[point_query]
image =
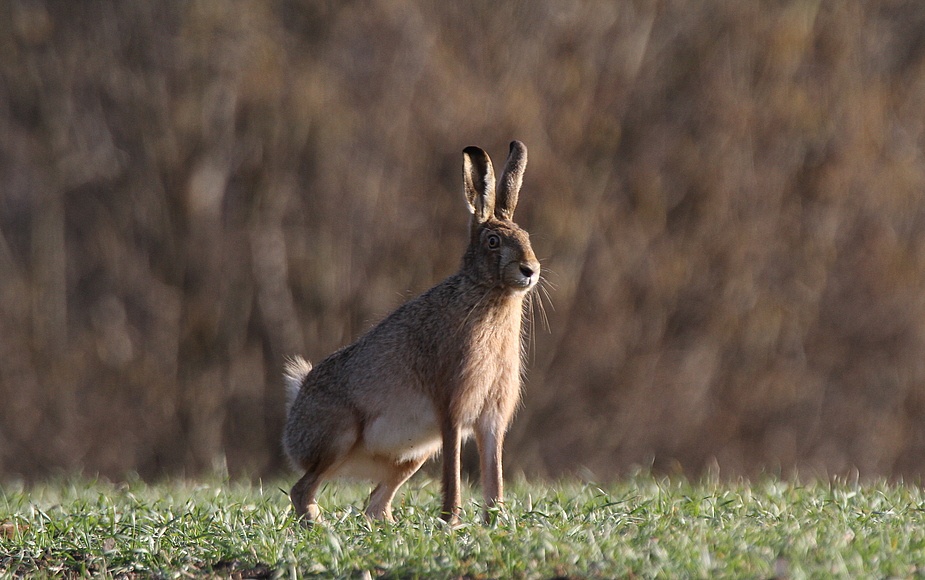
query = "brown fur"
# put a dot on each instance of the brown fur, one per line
(441, 366)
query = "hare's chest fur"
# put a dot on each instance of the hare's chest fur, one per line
(489, 375)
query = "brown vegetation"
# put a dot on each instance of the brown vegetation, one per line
(728, 197)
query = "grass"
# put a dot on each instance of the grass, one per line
(641, 526)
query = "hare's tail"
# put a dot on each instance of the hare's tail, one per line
(294, 373)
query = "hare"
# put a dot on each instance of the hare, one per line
(441, 367)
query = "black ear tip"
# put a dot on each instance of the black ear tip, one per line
(472, 151)
(517, 145)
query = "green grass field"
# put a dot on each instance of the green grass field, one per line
(641, 526)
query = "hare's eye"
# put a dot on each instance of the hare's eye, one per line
(493, 241)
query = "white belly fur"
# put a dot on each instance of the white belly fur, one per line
(403, 433)
(395, 435)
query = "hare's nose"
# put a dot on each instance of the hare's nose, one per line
(526, 270)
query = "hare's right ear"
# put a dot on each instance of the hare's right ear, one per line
(479, 183)
(511, 179)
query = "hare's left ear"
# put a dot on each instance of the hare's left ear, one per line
(479, 183)
(511, 179)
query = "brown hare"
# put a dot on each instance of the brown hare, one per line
(441, 367)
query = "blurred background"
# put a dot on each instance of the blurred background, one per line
(728, 199)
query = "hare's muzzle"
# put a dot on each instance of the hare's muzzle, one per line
(527, 275)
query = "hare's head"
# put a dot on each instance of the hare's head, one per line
(499, 253)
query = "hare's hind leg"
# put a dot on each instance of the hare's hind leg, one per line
(320, 461)
(380, 500)
(304, 492)
(303, 497)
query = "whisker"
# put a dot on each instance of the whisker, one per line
(544, 315)
(543, 284)
(533, 326)
(551, 306)
(528, 327)
(528, 316)
(545, 277)
(542, 307)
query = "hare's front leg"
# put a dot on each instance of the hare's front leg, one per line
(452, 439)
(489, 436)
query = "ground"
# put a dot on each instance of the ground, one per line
(640, 526)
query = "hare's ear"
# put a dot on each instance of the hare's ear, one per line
(511, 179)
(479, 183)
